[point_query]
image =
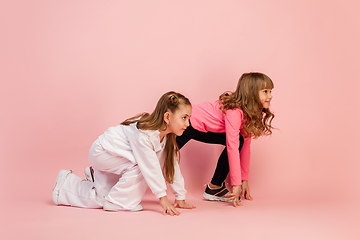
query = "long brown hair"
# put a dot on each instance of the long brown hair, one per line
(257, 120)
(170, 101)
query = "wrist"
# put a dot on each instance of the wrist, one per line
(164, 198)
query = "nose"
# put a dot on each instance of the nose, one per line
(187, 123)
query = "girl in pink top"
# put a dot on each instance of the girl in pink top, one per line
(232, 121)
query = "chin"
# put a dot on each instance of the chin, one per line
(179, 133)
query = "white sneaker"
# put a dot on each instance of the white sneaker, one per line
(217, 194)
(89, 174)
(60, 179)
(108, 206)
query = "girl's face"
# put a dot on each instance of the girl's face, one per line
(178, 121)
(265, 97)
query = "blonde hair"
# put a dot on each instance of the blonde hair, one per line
(170, 101)
(257, 120)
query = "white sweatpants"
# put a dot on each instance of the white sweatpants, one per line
(115, 179)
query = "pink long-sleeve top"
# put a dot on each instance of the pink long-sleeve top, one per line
(208, 117)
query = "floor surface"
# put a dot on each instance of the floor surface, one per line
(263, 218)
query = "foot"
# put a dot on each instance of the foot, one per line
(217, 194)
(60, 179)
(89, 173)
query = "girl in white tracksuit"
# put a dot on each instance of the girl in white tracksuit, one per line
(139, 152)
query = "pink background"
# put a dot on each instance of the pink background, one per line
(71, 69)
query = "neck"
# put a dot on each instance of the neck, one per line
(163, 133)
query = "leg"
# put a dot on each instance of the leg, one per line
(212, 138)
(206, 137)
(129, 190)
(107, 168)
(75, 191)
(104, 181)
(222, 168)
(117, 180)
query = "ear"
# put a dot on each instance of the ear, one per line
(167, 117)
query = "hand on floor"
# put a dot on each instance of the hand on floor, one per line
(168, 208)
(245, 193)
(234, 196)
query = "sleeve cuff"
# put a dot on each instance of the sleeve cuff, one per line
(180, 198)
(236, 183)
(161, 194)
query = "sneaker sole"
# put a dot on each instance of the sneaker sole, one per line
(214, 198)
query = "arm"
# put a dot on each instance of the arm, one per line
(178, 188)
(149, 165)
(245, 159)
(178, 185)
(233, 122)
(151, 170)
(245, 167)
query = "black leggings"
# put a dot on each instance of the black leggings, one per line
(222, 167)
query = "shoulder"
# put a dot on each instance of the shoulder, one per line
(150, 134)
(145, 137)
(234, 117)
(140, 133)
(235, 113)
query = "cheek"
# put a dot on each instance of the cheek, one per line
(176, 124)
